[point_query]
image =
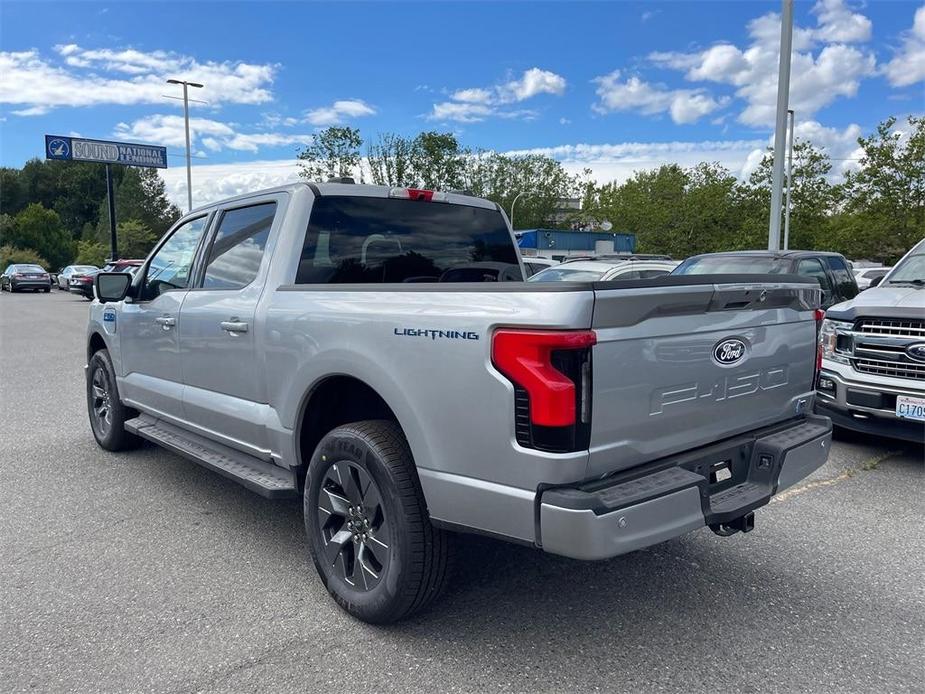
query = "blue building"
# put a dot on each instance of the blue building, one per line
(555, 242)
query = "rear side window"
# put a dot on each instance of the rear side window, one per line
(236, 252)
(353, 239)
(845, 284)
(810, 267)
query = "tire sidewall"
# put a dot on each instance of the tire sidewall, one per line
(376, 605)
(113, 438)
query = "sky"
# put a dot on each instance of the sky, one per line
(611, 86)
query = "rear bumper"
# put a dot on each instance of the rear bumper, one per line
(30, 284)
(670, 497)
(84, 289)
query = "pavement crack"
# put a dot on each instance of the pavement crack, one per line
(868, 465)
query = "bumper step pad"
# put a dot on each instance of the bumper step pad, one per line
(264, 478)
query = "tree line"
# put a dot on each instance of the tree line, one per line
(875, 211)
(54, 212)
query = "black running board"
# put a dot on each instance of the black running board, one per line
(264, 478)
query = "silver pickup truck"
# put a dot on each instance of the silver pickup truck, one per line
(356, 346)
(873, 368)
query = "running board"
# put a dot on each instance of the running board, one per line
(264, 478)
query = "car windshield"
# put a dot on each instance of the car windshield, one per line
(564, 274)
(732, 265)
(912, 269)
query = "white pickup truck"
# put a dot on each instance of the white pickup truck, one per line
(316, 340)
(873, 368)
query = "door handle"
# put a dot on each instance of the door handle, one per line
(166, 322)
(234, 326)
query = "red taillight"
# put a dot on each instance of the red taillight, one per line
(526, 357)
(420, 194)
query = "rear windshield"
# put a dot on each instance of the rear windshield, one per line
(29, 268)
(732, 265)
(381, 240)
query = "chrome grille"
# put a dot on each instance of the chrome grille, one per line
(912, 327)
(890, 368)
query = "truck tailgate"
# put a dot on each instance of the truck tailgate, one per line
(689, 360)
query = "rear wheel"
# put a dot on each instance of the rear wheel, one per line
(369, 533)
(107, 413)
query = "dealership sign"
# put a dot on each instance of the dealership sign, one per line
(104, 151)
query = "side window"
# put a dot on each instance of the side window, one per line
(236, 252)
(844, 282)
(648, 274)
(810, 267)
(170, 266)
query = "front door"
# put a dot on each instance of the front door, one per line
(147, 325)
(225, 395)
(812, 267)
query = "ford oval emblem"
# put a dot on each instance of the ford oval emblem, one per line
(916, 351)
(729, 351)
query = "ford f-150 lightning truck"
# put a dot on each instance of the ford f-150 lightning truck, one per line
(314, 340)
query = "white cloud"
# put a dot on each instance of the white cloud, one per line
(475, 104)
(82, 77)
(338, 112)
(840, 144)
(212, 182)
(908, 65)
(817, 80)
(633, 94)
(838, 24)
(168, 130)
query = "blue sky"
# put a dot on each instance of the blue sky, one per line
(613, 86)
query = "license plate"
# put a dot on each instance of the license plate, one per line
(910, 408)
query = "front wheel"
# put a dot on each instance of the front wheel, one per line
(107, 413)
(369, 533)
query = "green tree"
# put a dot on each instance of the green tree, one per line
(141, 195)
(390, 161)
(437, 161)
(41, 230)
(334, 151)
(90, 252)
(135, 238)
(10, 255)
(884, 211)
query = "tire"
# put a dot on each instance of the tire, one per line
(47, 289)
(103, 397)
(373, 584)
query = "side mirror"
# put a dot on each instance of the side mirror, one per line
(875, 281)
(112, 286)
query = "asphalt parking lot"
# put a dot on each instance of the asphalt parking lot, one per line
(145, 572)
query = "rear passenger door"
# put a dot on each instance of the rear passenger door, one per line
(224, 396)
(846, 287)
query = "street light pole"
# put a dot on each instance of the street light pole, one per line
(189, 168)
(789, 181)
(780, 128)
(514, 202)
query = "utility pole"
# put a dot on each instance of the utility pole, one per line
(780, 128)
(514, 202)
(113, 243)
(189, 168)
(789, 180)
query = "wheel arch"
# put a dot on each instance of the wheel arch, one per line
(95, 344)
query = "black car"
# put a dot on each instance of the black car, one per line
(830, 270)
(22, 276)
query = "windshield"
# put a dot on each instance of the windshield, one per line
(564, 274)
(912, 269)
(383, 240)
(83, 268)
(732, 265)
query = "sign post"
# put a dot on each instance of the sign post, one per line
(108, 153)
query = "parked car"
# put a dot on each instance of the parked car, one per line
(534, 264)
(66, 273)
(604, 270)
(82, 283)
(121, 265)
(22, 276)
(830, 270)
(265, 341)
(873, 355)
(865, 276)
